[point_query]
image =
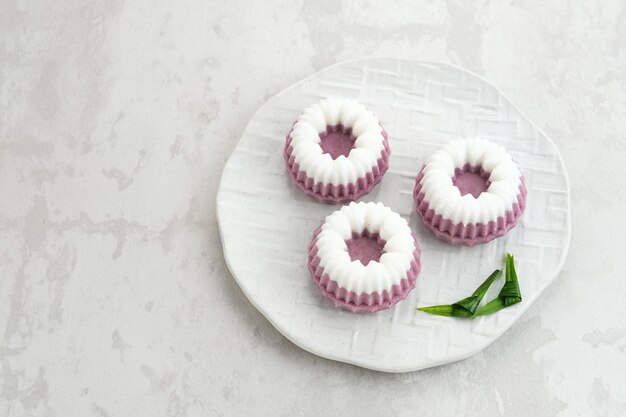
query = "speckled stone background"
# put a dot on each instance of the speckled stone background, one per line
(116, 119)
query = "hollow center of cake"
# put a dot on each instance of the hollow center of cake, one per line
(337, 141)
(365, 248)
(471, 180)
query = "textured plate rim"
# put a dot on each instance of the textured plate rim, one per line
(454, 358)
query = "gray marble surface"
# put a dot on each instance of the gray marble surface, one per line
(116, 119)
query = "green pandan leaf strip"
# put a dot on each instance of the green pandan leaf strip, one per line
(510, 293)
(449, 310)
(484, 287)
(472, 302)
(492, 306)
(467, 306)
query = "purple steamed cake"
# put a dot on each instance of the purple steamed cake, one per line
(320, 133)
(363, 247)
(472, 181)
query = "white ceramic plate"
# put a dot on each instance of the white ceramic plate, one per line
(266, 222)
